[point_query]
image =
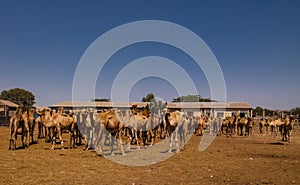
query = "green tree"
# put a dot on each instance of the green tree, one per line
(192, 98)
(149, 98)
(100, 100)
(19, 96)
(296, 111)
(258, 111)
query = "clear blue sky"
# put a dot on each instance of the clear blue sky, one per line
(257, 44)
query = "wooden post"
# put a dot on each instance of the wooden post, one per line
(127, 115)
(250, 113)
(5, 114)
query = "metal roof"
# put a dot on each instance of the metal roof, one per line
(209, 105)
(8, 103)
(99, 104)
(170, 105)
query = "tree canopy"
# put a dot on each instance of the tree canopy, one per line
(296, 111)
(192, 98)
(19, 96)
(100, 100)
(153, 105)
(148, 98)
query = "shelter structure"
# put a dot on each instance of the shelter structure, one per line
(7, 109)
(212, 109)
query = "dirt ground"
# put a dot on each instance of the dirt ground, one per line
(239, 160)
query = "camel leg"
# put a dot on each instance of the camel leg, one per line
(137, 140)
(112, 142)
(14, 138)
(53, 138)
(174, 136)
(93, 136)
(289, 134)
(59, 131)
(152, 136)
(72, 139)
(235, 129)
(121, 143)
(27, 133)
(98, 145)
(11, 132)
(32, 132)
(46, 135)
(130, 138)
(176, 140)
(171, 142)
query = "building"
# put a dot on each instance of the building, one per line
(213, 109)
(7, 108)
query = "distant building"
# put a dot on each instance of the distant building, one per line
(213, 109)
(7, 109)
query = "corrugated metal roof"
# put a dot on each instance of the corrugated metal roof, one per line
(241, 105)
(196, 105)
(99, 104)
(38, 107)
(170, 105)
(8, 103)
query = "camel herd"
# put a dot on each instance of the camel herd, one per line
(272, 126)
(139, 127)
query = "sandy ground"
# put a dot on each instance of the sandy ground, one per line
(239, 160)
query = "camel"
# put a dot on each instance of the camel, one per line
(242, 122)
(40, 126)
(202, 124)
(39, 118)
(262, 127)
(140, 125)
(16, 126)
(176, 126)
(109, 121)
(249, 126)
(29, 123)
(230, 125)
(45, 118)
(216, 125)
(274, 124)
(85, 124)
(287, 129)
(63, 122)
(143, 124)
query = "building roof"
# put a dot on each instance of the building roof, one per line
(209, 105)
(8, 103)
(170, 105)
(39, 107)
(241, 105)
(99, 104)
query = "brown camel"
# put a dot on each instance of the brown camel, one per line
(63, 122)
(202, 123)
(109, 122)
(16, 126)
(29, 123)
(262, 127)
(176, 125)
(143, 124)
(287, 129)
